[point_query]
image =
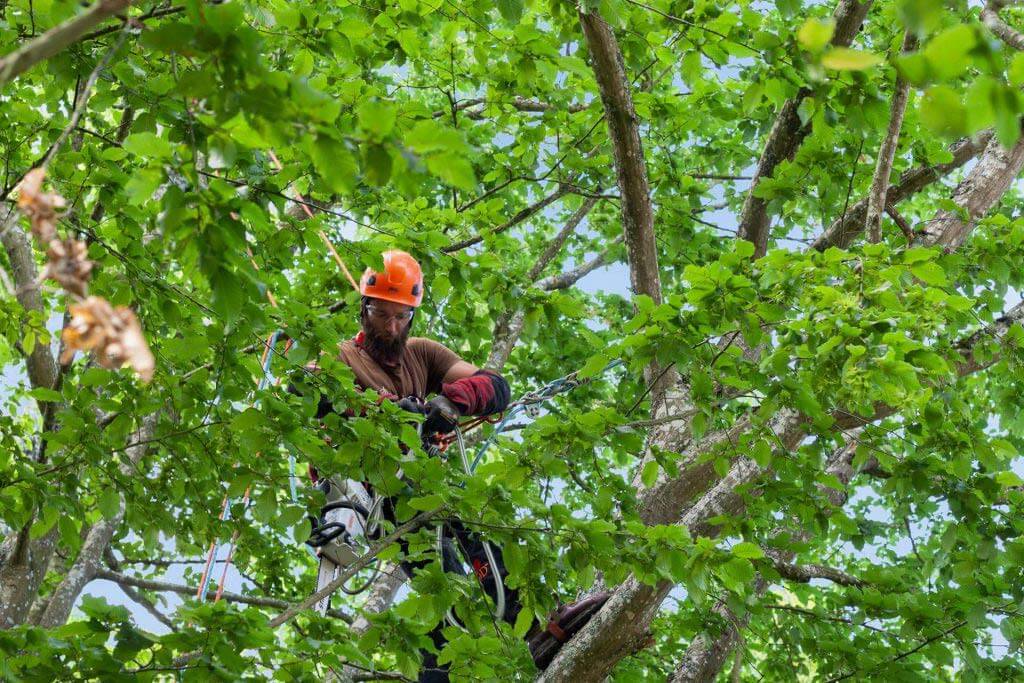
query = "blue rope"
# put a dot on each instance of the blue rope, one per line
(264, 381)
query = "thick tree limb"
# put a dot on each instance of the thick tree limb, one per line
(842, 231)
(23, 561)
(788, 133)
(57, 38)
(990, 17)
(976, 194)
(803, 573)
(42, 367)
(887, 150)
(630, 168)
(97, 539)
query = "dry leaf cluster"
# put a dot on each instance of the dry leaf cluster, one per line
(112, 334)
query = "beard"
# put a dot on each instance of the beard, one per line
(384, 349)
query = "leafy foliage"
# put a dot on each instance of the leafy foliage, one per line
(419, 126)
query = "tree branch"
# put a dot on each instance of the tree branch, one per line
(42, 367)
(976, 194)
(990, 17)
(132, 593)
(803, 573)
(887, 150)
(630, 175)
(842, 231)
(522, 215)
(97, 539)
(788, 133)
(57, 39)
(168, 587)
(571, 277)
(518, 103)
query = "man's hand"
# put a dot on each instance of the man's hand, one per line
(442, 416)
(413, 404)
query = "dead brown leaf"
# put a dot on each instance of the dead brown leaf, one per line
(42, 208)
(114, 336)
(68, 264)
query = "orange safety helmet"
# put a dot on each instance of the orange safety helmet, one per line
(401, 280)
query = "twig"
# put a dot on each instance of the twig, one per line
(57, 39)
(527, 212)
(166, 586)
(900, 222)
(83, 99)
(152, 14)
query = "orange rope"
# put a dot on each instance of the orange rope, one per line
(323, 235)
(245, 498)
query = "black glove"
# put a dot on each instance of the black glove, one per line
(413, 405)
(442, 416)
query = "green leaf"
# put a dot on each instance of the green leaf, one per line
(815, 34)
(523, 622)
(148, 145)
(919, 254)
(377, 117)
(69, 533)
(761, 453)
(847, 59)
(947, 53)
(335, 164)
(426, 503)
(377, 165)
(453, 169)
(511, 10)
(594, 365)
(1016, 71)
(1008, 479)
(930, 273)
(28, 342)
(109, 503)
(47, 395)
(943, 112)
(747, 550)
(649, 475)
(737, 574)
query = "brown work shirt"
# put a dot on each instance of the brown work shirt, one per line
(419, 373)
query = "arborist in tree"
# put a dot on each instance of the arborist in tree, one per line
(408, 370)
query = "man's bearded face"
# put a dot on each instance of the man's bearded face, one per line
(386, 325)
